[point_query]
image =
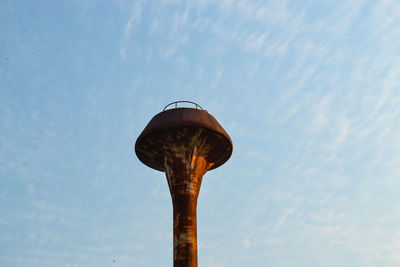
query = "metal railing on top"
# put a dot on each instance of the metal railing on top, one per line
(176, 104)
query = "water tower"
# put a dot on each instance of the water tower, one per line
(184, 143)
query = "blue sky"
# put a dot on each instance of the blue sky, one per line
(309, 92)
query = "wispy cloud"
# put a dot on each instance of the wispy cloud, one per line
(135, 18)
(285, 214)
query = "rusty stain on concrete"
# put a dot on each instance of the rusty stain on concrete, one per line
(184, 143)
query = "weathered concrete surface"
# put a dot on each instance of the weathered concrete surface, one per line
(184, 143)
(184, 175)
(182, 127)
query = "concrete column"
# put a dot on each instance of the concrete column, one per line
(184, 171)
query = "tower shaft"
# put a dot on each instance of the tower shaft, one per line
(184, 171)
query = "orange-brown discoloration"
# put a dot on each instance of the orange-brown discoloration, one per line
(184, 173)
(184, 143)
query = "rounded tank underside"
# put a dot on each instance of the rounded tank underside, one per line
(181, 130)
